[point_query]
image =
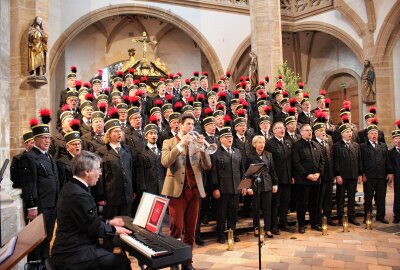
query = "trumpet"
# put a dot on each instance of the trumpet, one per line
(210, 148)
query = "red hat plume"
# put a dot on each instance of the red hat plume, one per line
(75, 124)
(45, 114)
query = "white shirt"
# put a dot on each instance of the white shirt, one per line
(81, 180)
(43, 152)
(114, 146)
(226, 149)
(150, 146)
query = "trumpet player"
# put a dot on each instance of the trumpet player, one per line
(183, 183)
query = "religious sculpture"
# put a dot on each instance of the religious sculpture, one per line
(37, 49)
(146, 41)
(253, 69)
(368, 83)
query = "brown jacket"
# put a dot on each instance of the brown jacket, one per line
(174, 161)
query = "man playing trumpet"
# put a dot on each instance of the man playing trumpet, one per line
(183, 183)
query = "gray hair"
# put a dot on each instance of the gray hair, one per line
(85, 161)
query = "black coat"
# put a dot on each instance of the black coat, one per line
(227, 170)
(40, 185)
(375, 160)
(153, 171)
(304, 119)
(16, 170)
(327, 155)
(306, 160)
(394, 161)
(79, 227)
(118, 180)
(282, 155)
(244, 148)
(91, 142)
(57, 148)
(64, 166)
(347, 162)
(268, 175)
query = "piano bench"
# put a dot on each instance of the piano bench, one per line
(49, 264)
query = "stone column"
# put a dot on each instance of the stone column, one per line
(266, 35)
(11, 203)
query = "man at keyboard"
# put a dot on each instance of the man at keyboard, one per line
(79, 227)
(184, 156)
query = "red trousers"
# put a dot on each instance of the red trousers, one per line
(183, 212)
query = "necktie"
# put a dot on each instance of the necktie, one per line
(122, 125)
(154, 149)
(118, 149)
(347, 146)
(48, 156)
(398, 149)
(292, 136)
(323, 143)
(242, 139)
(229, 150)
(374, 145)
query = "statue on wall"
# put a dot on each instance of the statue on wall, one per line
(37, 49)
(253, 69)
(145, 40)
(368, 83)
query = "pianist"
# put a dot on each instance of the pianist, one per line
(79, 227)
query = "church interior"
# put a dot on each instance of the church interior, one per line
(322, 43)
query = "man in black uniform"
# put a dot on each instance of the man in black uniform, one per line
(93, 140)
(307, 165)
(282, 154)
(73, 144)
(394, 159)
(374, 156)
(370, 119)
(226, 173)
(41, 185)
(76, 243)
(57, 148)
(325, 144)
(71, 86)
(347, 168)
(15, 168)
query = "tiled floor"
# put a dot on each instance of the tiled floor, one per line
(357, 249)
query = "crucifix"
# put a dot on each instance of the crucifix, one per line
(146, 41)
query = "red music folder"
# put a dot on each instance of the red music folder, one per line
(151, 211)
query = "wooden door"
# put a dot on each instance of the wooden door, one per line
(337, 98)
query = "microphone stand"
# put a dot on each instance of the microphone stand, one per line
(2, 170)
(257, 181)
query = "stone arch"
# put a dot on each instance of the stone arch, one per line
(388, 32)
(329, 29)
(346, 71)
(96, 15)
(243, 47)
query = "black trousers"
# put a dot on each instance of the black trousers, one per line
(280, 205)
(396, 202)
(42, 252)
(349, 185)
(307, 198)
(325, 200)
(105, 260)
(266, 209)
(375, 187)
(227, 208)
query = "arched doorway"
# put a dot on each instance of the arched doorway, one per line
(341, 85)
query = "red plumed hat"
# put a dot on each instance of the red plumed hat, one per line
(208, 111)
(45, 114)
(102, 106)
(89, 96)
(153, 119)
(113, 113)
(372, 109)
(158, 103)
(73, 69)
(178, 106)
(267, 109)
(75, 124)
(33, 122)
(345, 118)
(200, 97)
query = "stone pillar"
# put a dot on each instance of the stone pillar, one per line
(11, 203)
(266, 35)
